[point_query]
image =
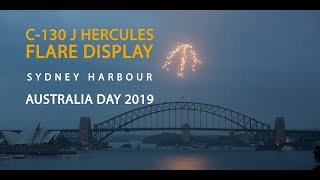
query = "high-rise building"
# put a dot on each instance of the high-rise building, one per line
(280, 134)
(85, 134)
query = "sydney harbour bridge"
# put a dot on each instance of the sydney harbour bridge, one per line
(184, 116)
(181, 116)
(191, 116)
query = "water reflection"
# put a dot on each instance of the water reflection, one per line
(184, 163)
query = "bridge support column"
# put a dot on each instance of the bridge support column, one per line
(85, 134)
(280, 135)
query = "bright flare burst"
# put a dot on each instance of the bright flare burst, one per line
(186, 52)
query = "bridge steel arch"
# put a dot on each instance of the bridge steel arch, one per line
(173, 115)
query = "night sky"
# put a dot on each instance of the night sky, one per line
(261, 63)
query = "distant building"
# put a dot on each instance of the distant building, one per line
(231, 134)
(247, 138)
(289, 139)
(31, 135)
(280, 134)
(85, 134)
(186, 133)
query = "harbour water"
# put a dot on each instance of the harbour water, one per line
(149, 157)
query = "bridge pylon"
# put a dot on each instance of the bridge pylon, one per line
(85, 133)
